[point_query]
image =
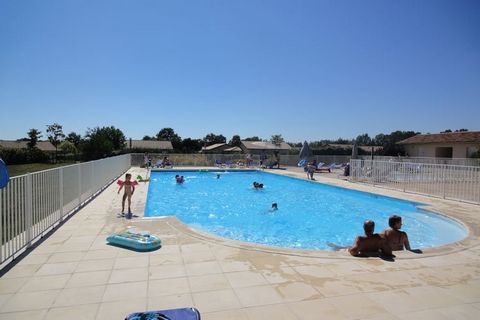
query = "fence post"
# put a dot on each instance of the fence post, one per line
(60, 186)
(29, 209)
(79, 184)
(443, 181)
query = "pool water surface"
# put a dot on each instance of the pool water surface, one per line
(309, 214)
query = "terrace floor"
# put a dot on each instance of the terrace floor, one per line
(73, 274)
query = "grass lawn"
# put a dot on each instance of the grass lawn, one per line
(19, 169)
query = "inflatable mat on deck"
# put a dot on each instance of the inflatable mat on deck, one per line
(135, 240)
(172, 314)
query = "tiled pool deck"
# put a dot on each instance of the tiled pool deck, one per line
(74, 275)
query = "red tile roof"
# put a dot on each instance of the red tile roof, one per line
(451, 137)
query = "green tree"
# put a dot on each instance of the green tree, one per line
(55, 136)
(390, 146)
(147, 138)
(191, 145)
(212, 138)
(74, 138)
(363, 140)
(33, 136)
(68, 147)
(235, 141)
(276, 139)
(254, 138)
(102, 142)
(168, 134)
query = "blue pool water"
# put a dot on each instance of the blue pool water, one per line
(309, 215)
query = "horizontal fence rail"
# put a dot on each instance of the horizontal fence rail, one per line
(439, 180)
(207, 159)
(32, 204)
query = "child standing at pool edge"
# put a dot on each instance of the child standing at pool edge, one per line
(129, 187)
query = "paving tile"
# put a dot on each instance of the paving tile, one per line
(4, 298)
(121, 308)
(20, 271)
(129, 275)
(45, 283)
(99, 254)
(281, 275)
(274, 311)
(65, 257)
(28, 301)
(238, 314)
(181, 300)
(316, 309)
(78, 296)
(166, 287)
(257, 296)
(95, 265)
(359, 305)
(30, 315)
(50, 269)
(81, 312)
(312, 272)
(466, 292)
(163, 259)
(234, 265)
(210, 301)
(332, 287)
(32, 258)
(198, 256)
(202, 268)
(404, 302)
(432, 297)
(123, 291)
(209, 282)
(245, 279)
(296, 291)
(167, 271)
(86, 279)
(11, 285)
(430, 314)
(131, 262)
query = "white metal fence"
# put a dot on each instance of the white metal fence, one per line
(439, 180)
(32, 204)
(432, 160)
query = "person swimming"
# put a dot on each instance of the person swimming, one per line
(179, 179)
(274, 207)
(257, 185)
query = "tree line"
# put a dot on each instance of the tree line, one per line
(101, 142)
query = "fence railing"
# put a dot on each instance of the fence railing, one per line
(32, 204)
(432, 160)
(439, 180)
(199, 159)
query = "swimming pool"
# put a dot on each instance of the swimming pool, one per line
(310, 214)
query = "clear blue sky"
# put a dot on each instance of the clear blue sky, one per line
(308, 70)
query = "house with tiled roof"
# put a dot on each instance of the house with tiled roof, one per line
(443, 145)
(215, 148)
(151, 145)
(45, 146)
(264, 147)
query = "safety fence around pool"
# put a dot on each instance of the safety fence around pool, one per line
(32, 204)
(438, 180)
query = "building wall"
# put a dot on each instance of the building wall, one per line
(459, 150)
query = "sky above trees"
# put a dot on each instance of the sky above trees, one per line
(308, 70)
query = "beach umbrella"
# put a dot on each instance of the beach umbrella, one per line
(355, 151)
(305, 152)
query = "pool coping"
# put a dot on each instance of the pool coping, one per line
(442, 207)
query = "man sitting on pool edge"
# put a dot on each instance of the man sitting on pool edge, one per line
(367, 245)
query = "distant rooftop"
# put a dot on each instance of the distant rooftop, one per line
(465, 137)
(265, 145)
(149, 144)
(12, 144)
(213, 146)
